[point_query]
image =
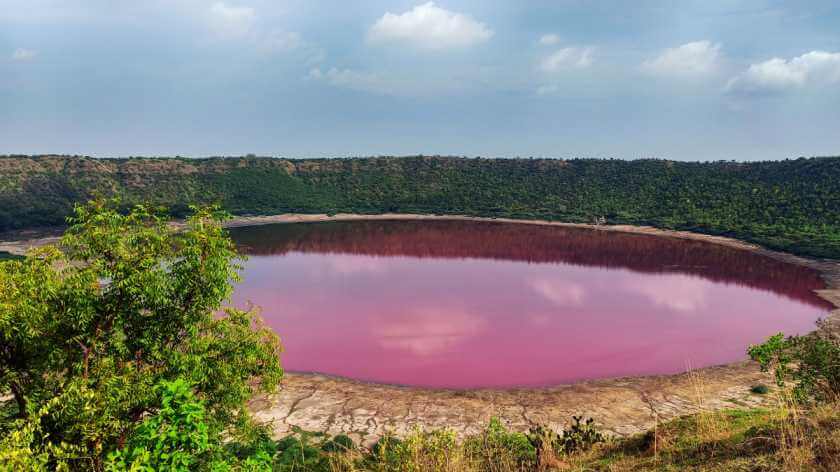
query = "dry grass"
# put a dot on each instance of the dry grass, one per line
(786, 437)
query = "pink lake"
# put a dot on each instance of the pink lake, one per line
(459, 304)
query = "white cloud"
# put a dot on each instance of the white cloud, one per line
(352, 79)
(394, 82)
(240, 23)
(21, 54)
(231, 21)
(278, 40)
(567, 58)
(429, 27)
(549, 39)
(776, 75)
(696, 59)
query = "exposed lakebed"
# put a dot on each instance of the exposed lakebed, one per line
(465, 304)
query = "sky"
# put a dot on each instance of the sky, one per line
(683, 80)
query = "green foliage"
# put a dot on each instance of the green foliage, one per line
(340, 443)
(760, 389)
(580, 436)
(251, 449)
(419, 451)
(301, 452)
(811, 362)
(500, 449)
(775, 354)
(429, 451)
(791, 205)
(25, 444)
(496, 448)
(174, 438)
(125, 303)
(177, 438)
(19, 449)
(386, 449)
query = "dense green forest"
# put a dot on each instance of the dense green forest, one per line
(792, 205)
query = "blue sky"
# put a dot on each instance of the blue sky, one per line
(685, 80)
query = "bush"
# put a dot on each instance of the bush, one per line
(500, 449)
(340, 443)
(811, 362)
(419, 451)
(580, 436)
(760, 389)
(300, 452)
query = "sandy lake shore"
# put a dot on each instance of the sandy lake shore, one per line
(621, 406)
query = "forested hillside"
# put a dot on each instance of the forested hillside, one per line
(792, 205)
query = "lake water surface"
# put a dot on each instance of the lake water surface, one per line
(463, 304)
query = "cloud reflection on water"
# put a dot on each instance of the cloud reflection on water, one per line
(676, 292)
(426, 331)
(510, 305)
(558, 291)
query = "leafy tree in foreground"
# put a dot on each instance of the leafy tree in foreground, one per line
(124, 303)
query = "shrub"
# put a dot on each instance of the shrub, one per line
(300, 451)
(811, 362)
(497, 448)
(759, 389)
(419, 451)
(340, 443)
(383, 455)
(580, 436)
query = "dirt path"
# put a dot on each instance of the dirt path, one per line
(620, 406)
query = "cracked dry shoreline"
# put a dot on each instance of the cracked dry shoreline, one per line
(620, 406)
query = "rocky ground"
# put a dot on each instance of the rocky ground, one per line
(621, 406)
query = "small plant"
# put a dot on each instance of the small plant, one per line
(501, 449)
(340, 443)
(300, 452)
(384, 446)
(580, 436)
(436, 450)
(421, 450)
(760, 389)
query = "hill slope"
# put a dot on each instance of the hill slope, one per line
(792, 205)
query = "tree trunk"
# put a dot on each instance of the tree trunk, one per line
(20, 399)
